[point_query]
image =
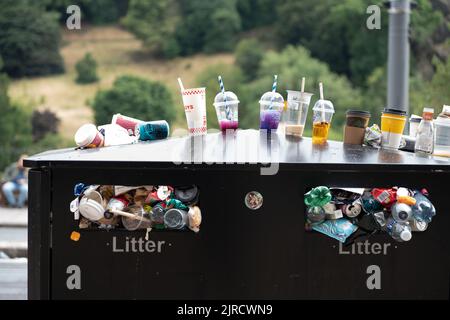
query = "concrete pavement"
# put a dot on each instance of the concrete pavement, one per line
(13, 244)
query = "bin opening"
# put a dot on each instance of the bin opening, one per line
(151, 207)
(346, 214)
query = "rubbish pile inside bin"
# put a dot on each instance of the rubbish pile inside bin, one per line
(138, 207)
(347, 213)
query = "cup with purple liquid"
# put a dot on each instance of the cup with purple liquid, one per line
(226, 105)
(271, 107)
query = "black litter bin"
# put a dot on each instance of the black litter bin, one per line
(239, 253)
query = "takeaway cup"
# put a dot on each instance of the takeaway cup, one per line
(355, 126)
(126, 122)
(271, 107)
(323, 111)
(194, 101)
(227, 110)
(87, 136)
(296, 112)
(92, 206)
(392, 126)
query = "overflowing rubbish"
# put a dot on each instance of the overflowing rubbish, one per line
(340, 212)
(122, 130)
(134, 208)
(372, 137)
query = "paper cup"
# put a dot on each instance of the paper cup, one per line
(194, 101)
(87, 136)
(392, 126)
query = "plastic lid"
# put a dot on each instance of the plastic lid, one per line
(272, 98)
(415, 118)
(91, 209)
(299, 96)
(394, 111)
(220, 101)
(325, 104)
(85, 134)
(446, 109)
(405, 235)
(358, 113)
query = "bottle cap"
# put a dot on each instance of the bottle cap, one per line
(405, 235)
(428, 113)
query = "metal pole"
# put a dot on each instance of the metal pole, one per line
(398, 55)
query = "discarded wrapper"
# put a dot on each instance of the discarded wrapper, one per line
(372, 137)
(339, 229)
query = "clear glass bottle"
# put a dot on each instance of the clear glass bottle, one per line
(425, 133)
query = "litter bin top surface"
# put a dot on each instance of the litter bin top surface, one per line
(241, 148)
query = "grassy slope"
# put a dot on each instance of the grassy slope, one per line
(117, 52)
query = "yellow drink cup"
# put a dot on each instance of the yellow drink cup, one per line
(392, 126)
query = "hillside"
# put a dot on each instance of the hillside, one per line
(117, 52)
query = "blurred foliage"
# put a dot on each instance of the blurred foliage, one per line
(150, 21)
(256, 13)
(134, 97)
(29, 39)
(43, 123)
(209, 26)
(249, 54)
(86, 70)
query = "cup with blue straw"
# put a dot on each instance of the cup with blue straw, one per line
(271, 107)
(226, 104)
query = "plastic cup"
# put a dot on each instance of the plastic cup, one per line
(296, 112)
(194, 101)
(355, 126)
(271, 107)
(87, 136)
(392, 126)
(153, 130)
(322, 115)
(414, 122)
(227, 120)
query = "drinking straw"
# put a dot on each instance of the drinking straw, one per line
(181, 84)
(222, 89)
(274, 89)
(129, 215)
(300, 106)
(321, 101)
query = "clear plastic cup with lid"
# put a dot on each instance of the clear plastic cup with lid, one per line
(323, 111)
(271, 107)
(226, 105)
(296, 112)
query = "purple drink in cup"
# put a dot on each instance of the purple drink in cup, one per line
(271, 104)
(227, 111)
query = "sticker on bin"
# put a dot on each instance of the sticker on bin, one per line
(346, 214)
(161, 207)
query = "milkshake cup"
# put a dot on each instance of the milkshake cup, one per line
(226, 105)
(271, 107)
(322, 114)
(194, 101)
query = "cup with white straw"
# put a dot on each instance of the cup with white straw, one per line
(194, 101)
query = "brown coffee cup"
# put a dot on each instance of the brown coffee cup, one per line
(355, 126)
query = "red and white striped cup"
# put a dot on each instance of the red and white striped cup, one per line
(194, 101)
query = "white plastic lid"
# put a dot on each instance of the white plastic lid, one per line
(91, 209)
(220, 101)
(272, 98)
(405, 235)
(325, 104)
(85, 134)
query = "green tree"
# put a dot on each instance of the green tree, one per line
(256, 13)
(29, 39)
(134, 97)
(249, 54)
(209, 26)
(86, 70)
(152, 22)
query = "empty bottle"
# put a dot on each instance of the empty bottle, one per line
(423, 210)
(442, 136)
(425, 133)
(399, 231)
